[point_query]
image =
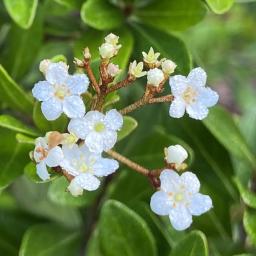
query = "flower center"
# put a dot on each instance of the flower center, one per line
(61, 92)
(99, 127)
(179, 197)
(189, 95)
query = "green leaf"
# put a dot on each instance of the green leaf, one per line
(171, 15)
(21, 138)
(220, 6)
(13, 124)
(194, 244)
(22, 11)
(111, 99)
(44, 125)
(58, 194)
(223, 127)
(93, 246)
(129, 125)
(49, 240)
(13, 95)
(58, 58)
(248, 197)
(100, 14)
(168, 45)
(70, 3)
(123, 232)
(249, 222)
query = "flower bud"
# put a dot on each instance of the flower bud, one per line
(168, 66)
(113, 70)
(107, 51)
(86, 53)
(175, 155)
(44, 64)
(155, 77)
(136, 70)
(112, 39)
(78, 62)
(150, 57)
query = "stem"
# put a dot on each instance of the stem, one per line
(166, 98)
(92, 77)
(127, 81)
(136, 167)
(137, 104)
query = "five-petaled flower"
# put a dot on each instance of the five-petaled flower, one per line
(190, 94)
(45, 155)
(179, 198)
(60, 92)
(86, 167)
(98, 130)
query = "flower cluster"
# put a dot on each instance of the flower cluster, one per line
(79, 154)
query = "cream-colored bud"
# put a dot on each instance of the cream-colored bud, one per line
(175, 155)
(78, 62)
(107, 51)
(150, 57)
(168, 66)
(112, 39)
(74, 188)
(44, 64)
(136, 70)
(86, 53)
(113, 70)
(155, 76)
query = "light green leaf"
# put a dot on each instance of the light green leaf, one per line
(49, 240)
(70, 3)
(220, 6)
(249, 221)
(100, 14)
(58, 58)
(222, 126)
(58, 194)
(22, 11)
(194, 244)
(14, 124)
(12, 94)
(171, 15)
(129, 125)
(111, 99)
(123, 232)
(168, 45)
(21, 138)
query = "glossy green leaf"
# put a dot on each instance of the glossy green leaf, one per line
(58, 194)
(128, 126)
(168, 45)
(70, 3)
(171, 15)
(100, 14)
(14, 124)
(111, 99)
(249, 222)
(117, 238)
(22, 11)
(194, 244)
(222, 126)
(49, 240)
(220, 6)
(12, 94)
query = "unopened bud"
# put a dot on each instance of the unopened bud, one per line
(107, 51)
(44, 64)
(86, 53)
(155, 77)
(112, 39)
(78, 62)
(168, 66)
(113, 70)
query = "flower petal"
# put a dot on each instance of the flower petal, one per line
(74, 188)
(177, 108)
(51, 109)
(208, 97)
(200, 204)
(170, 180)
(109, 139)
(160, 203)
(178, 84)
(94, 142)
(113, 119)
(77, 83)
(180, 217)
(104, 167)
(43, 90)
(197, 111)
(79, 127)
(197, 77)
(54, 157)
(87, 181)
(41, 171)
(190, 181)
(93, 117)
(56, 73)
(73, 106)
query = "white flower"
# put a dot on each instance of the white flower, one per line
(176, 155)
(60, 92)
(179, 198)
(155, 76)
(136, 70)
(98, 130)
(112, 39)
(86, 167)
(46, 156)
(150, 57)
(168, 66)
(113, 70)
(190, 94)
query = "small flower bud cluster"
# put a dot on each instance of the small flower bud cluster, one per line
(110, 48)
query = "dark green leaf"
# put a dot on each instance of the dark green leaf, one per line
(129, 125)
(22, 11)
(123, 232)
(93, 246)
(171, 15)
(100, 14)
(220, 6)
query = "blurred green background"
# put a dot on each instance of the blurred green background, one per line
(41, 218)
